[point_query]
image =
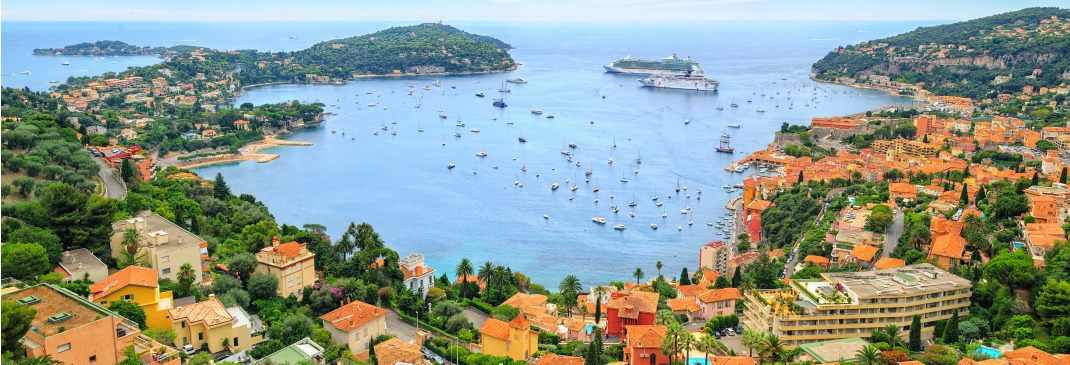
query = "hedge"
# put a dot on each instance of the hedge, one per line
(427, 326)
(481, 306)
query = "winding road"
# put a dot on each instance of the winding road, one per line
(113, 185)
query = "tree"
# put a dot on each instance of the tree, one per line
(131, 356)
(1053, 300)
(221, 191)
(709, 344)
(658, 265)
(464, 268)
(1014, 269)
(893, 331)
(48, 240)
(1062, 176)
(23, 260)
(893, 175)
(737, 277)
(599, 292)
(751, 340)
(129, 310)
(800, 180)
(638, 275)
(951, 329)
(292, 329)
(878, 222)
(570, 288)
(964, 198)
(486, 274)
(38, 360)
(164, 336)
(186, 278)
(127, 171)
(201, 358)
(593, 355)
(16, 321)
(64, 206)
(687, 342)
(771, 348)
(132, 254)
(915, 334)
(1036, 178)
(242, 265)
(685, 278)
(868, 355)
(982, 196)
(262, 286)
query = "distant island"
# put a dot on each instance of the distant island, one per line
(978, 58)
(111, 48)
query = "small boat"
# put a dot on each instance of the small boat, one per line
(503, 89)
(499, 103)
(588, 172)
(481, 154)
(549, 116)
(480, 94)
(709, 224)
(443, 116)
(595, 190)
(658, 203)
(687, 121)
(475, 130)
(620, 227)
(517, 80)
(599, 220)
(679, 228)
(25, 72)
(553, 186)
(522, 139)
(574, 187)
(631, 214)
(733, 125)
(623, 179)
(566, 152)
(544, 216)
(570, 197)
(457, 134)
(54, 82)
(572, 145)
(663, 214)
(654, 226)
(437, 83)
(536, 111)
(450, 166)
(333, 131)
(65, 63)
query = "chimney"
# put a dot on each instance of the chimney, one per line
(211, 295)
(275, 241)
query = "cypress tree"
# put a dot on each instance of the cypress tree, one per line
(598, 310)
(1062, 176)
(126, 170)
(685, 279)
(951, 330)
(737, 277)
(965, 197)
(194, 225)
(180, 219)
(1036, 178)
(982, 196)
(800, 176)
(221, 190)
(593, 355)
(915, 334)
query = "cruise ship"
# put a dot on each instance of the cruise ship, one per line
(671, 65)
(687, 81)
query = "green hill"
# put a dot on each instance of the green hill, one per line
(964, 59)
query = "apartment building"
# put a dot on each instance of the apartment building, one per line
(854, 304)
(715, 255)
(165, 245)
(292, 263)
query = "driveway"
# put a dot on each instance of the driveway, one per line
(893, 234)
(398, 327)
(475, 316)
(113, 186)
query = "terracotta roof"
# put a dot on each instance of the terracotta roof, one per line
(717, 295)
(575, 324)
(776, 253)
(1033, 356)
(911, 362)
(417, 271)
(496, 328)
(529, 304)
(759, 205)
(553, 359)
(864, 252)
(731, 360)
(629, 304)
(353, 315)
(691, 290)
(816, 259)
(393, 351)
(131, 275)
(681, 304)
(472, 279)
(287, 250)
(888, 263)
(520, 323)
(948, 245)
(646, 336)
(210, 312)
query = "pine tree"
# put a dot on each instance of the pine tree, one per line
(1062, 176)
(965, 197)
(126, 170)
(593, 355)
(915, 334)
(194, 225)
(982, 196)
(951, 329)
(737, 277)
(221, 190)
(685, 279)
(180, 218)
(925, 138)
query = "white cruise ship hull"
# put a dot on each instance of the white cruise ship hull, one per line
(640, 71)
(693, 83)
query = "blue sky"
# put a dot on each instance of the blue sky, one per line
(507, 10)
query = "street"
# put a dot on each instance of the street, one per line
(893, 234)
(113, 186)
(398, 327)
(475, 316)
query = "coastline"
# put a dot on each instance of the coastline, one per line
(249, 152)
(888, 91)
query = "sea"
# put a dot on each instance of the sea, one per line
(381, 156)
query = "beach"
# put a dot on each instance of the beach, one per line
(249, 152)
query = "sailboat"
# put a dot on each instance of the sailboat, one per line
(504, 89)
(726, 146)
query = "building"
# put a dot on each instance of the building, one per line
(901, 146)
(715, 255)
(731, 360)
(862, 255)
(834, 351)
(355, 324)
(81, 264)
(718, 302)
(393, 351)
(418, 277)
(854, 304)
(292, 263)
(947, 246)
(630, 308)
(514, 339)
(530, 305)
(642, 345)
(137, 285)
(210, 325)
(302, 350)
(554, 359)
(73, 330)
(165, 245)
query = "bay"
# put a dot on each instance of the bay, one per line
(400, 183)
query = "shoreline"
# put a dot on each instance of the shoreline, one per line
(888, 91)
(249, 152)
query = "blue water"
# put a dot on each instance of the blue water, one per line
(988, 351)
(696, 360)
(400, 183)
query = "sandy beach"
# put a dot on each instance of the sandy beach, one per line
(249, 152)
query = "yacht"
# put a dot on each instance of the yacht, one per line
(480, 94)
(599, 220)
(517, 80)
(450, 166)
(481, 154)
(554, 186)
(620, 227)
(654, 226)
(536, 111)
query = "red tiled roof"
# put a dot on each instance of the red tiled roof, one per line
(353, 315)
(554, 359)
(731, 360)
(948, 245)
(645, 336)
(816, 259)
(888, 263)
(717, 295)
(691, 290)
(630, 304)
(864, 252)
(210, 312)
(131, 275)
(496, 328)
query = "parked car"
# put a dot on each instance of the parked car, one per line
(188, 349)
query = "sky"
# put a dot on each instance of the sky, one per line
(507, 10)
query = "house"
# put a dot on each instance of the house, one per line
(81, 264)
(576, 330)
(888, 263)
(947, 250)
(862, 255)
(472, 279)
(819, 261)
(685, 306)
(73, 330)
(718, 302)
(1043, 235)
(355, 324)
(834, 351)
(137, 285)
(690, 291)
(417, 276)
(303, 350)
(642, 346)
(210, 324)
(629, 308)
(166, 246)
(514, 339)
(530, 305)
(393, 351)
(292, 263)
(731, 360)
(554, 359)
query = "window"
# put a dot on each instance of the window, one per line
(200, 336)
(235, 342)
(63, 347)
(166, 271)
(164, 259)
(183, 324)
(93, 358)
(128, 297)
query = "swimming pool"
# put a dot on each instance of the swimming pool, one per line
(988, 351)
(590, 328)
(1018, 245)
(696, 360)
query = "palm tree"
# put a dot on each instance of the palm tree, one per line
(868, 355)
(668, 347)
(673, 332)
(464, 268)
(502, 276)
(40, 360)
(486, 273)
(893, 332)
(771, 348)
(638, 274)
(664, 317)
(659, 266)
(709, 345)
(345, 245)
(583, 311)
(570, 287)
(687, 342)
(130, 245)
(751, 340)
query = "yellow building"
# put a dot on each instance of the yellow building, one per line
(165, 245)
(854, 304)
(514, 339)
(210, 323)
(137, 285)
(292, 263)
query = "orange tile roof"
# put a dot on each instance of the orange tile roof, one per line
(575, 324)
(131, 275)
(393, 351)
(520, 323)
(816, 259)
(888, 263)
(496, 328)
(759, 205)
(911, 362)
(864, 252)
(948, 245)
(646, 336)
(717, 295)
(1033, 356)
(554, 359)
(731, 360)
(287, 250)
(472, 279)
(630, 304)
(691, 290)
(416, 272)
(532, 304)
(680, 304)
(352, 316)
(210, 312)
(709, 274)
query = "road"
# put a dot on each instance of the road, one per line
(398, 327)
(475, 316)
(113, 185)
(893, 234)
